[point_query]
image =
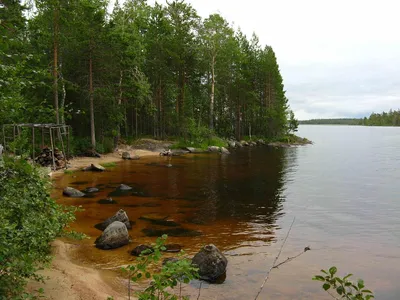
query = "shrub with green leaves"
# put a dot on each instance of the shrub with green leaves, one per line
(29, 220)
(171, 274)
(342, 286)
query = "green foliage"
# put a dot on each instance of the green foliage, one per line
(143, 70)
(171, 274)
(342, 286)
(30, 220)
(109, 165)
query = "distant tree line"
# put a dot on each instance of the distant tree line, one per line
(391, 118)
(141, 70)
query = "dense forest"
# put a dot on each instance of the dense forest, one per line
(391, 118)
(159, 71)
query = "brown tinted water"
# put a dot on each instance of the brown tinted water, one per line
(343, 192)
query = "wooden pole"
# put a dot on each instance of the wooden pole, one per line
(52, 148)
(62, 146)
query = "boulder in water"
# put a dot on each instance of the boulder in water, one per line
(73, 193)
(140, 249)
(114, 236)
(120, 216)
(213, 149)
(244, 143)
(211, 263)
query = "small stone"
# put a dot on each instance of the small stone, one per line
(73, 193)
(124, 187)
(126, 155)
(173, 248)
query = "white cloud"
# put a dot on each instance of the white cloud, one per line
(342, 55)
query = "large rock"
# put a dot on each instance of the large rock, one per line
(211, 263)
(213, 149)
(114, 236)
(244, 143)
(239, 145)
(224, 150)
(120, 216)
(260, 142)
(126, 155)
(71, 192)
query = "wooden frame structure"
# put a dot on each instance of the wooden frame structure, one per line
(52, 130)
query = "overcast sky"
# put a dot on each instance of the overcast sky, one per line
(338, 58)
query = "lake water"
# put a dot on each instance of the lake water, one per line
(343, 192)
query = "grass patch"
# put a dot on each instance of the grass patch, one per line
(109, 164)
(68, 172)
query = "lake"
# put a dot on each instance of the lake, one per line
(343, 193)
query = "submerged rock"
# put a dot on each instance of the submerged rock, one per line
(173, 248)
(91, 190)
(154, 217)
(114, 236)
(108, 200)
(141, 248)
(170, 260)
(211, 263)
(120, 216)
(177, 232)
(73, 193)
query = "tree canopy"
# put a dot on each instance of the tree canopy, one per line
(140, 70)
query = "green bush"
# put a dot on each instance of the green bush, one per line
(172, 274)
(342, 286)
(82, 146)
(29, 221)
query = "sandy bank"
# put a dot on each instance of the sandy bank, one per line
(69, 281)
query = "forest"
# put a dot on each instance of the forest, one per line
(136, 70)
(391, 118)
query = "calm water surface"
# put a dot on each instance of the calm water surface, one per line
(343, 192)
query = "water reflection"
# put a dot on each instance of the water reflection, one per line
(234, 201)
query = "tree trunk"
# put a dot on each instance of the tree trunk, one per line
(92, 128)
(63, 95)
(212, 93)
(55, 63)
(119, 102)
